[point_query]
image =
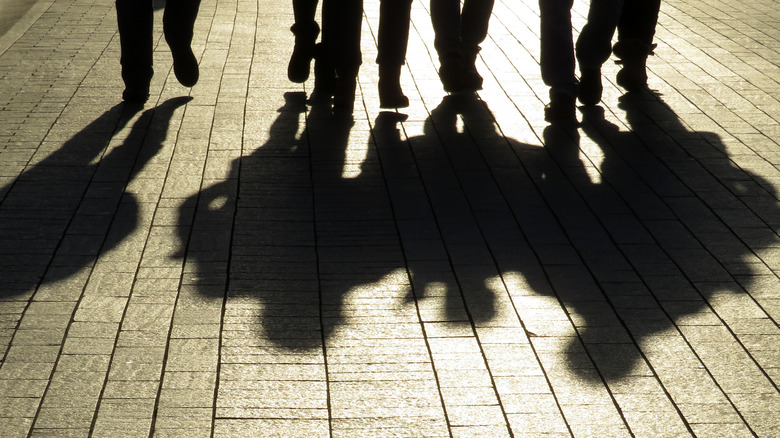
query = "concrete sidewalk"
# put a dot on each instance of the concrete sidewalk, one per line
(231, 261)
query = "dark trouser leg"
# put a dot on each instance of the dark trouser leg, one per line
(342, 23)
(635, 42)
(178, 24)
(557, 58)
(135, 20)
(594, 44)
(557, 46)
(638, 21)
(474, 25)
(445, 17)
(306, 31)
(394, 19)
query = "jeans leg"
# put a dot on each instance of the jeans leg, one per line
(341, 25)
(638, 21)
(179, 21)
(304, 11)
(594, 44)
(135, 19)
(474, 24)
(557, 46)
(445, 17)
(393, 38)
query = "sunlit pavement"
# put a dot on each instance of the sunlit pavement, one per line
(232, 261)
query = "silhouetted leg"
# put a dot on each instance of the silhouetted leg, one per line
(557, 58)
(474, 28)
(594, 46)
(342, 23)
(445, 17)
(135, 20)
(638, 21)
(178, 27)
(636, 30)
(393, 38)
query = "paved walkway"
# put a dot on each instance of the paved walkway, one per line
(230, 261)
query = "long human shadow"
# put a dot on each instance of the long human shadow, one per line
(683, 223)
(671, 222)
(460, 205)
(58, 215)
(306, 235)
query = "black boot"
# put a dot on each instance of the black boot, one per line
(303, 52)
(390, 93)
(633, 58)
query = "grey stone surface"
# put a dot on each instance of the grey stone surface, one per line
(230, 260)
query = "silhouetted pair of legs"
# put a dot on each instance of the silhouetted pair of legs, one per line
(135, 19)
(635, 21)
(338, 56)
(458, 34)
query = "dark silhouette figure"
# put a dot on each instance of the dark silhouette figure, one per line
(337, 57)
(58, 215)
(635, 22)
(135, 19)
(458, 34)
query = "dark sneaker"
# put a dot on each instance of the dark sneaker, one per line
(590, 87)
(561, 107)
(185, 65)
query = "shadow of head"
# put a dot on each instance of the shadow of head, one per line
(71, 205)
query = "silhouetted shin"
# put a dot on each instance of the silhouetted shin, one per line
(594, 47)
(135, 22)
(341, 26)
(458, 34)
(636, 30)
(393, 37)
(475, 18)
(557, 58)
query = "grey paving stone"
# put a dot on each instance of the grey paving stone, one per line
(243, 262)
